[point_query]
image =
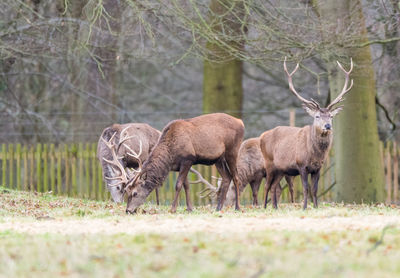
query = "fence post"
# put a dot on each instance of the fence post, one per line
(31, 157)
(87, 170)
(4, 164)
(52, 169)
(74, 188)
(100, 185)
(11, 165)
(395, 173)
(388, 173)
(18, 165)
(94, 168)
(67, 175)
(80, 179)
(59, 166)
(25, 158)
(38, 167)
(45, 169)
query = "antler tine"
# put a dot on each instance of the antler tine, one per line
(203, 180)
(345, 89)
(115, 162)
(311, 104)
(133, 153)
(108, 143)
(123, 138)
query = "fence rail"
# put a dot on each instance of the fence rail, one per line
(74, 170)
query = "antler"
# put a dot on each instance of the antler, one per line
(209, 191)
(340, 98)
(132, 153)
(312, 104)
(115, 161)
(124, 177)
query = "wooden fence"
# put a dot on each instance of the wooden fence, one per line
(74, 170)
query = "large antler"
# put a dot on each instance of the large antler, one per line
(340, 98)
(123, 177)
(131, 152)
(209, 191)
(312, 104)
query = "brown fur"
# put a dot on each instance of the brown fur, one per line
(293, 151)
(143, 132)
(207, 139)
(251, 170)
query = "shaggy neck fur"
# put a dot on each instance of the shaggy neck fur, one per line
(320, 143)
(245, 173)
(157, 167)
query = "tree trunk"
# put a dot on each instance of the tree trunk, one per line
(222, 83)
(359, 172)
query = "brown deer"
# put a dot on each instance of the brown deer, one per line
(115, 150)
(251, 170)
(207, 139)
(301, 151)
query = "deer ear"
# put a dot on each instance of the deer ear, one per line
(336, 111)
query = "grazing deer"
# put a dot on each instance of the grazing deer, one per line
(301, 151)
(251, 170)
(115, 150)
(207, 139)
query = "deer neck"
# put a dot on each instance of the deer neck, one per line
(320, 142)
(157, 167)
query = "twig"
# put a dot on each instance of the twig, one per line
(380, 241)
(327, 190)
(386, 113)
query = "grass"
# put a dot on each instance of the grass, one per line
(299, 252)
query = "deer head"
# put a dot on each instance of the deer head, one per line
(322, 116)
(120, 176)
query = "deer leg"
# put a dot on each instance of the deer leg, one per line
(157, 197)
(226, 179)
(183, 171)
(268, 184)
(289, 180)
(231, 161)
(304, 181)
(189, 206)
(314, 180)
(275, 184)
(255, 187)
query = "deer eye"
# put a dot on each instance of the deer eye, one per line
(317, 117)
(134, 194)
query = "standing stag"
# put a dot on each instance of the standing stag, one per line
(251, 170)
(293, 150)
(117, 151)
(207, 139)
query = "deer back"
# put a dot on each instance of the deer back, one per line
(205, 138)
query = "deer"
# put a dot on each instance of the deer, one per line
(251, 170)
(207, 139)
(115, 151)
(301, 151)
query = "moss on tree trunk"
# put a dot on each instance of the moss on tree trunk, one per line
(359, 172)
(222, 83)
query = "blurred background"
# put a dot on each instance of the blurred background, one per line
(68, 68)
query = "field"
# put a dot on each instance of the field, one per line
(46, 236)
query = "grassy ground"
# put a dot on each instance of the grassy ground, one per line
(47, 236)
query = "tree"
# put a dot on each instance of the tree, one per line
(222, 80)
(359, 172)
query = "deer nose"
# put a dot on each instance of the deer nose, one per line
(328, 126)
(128, 211)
